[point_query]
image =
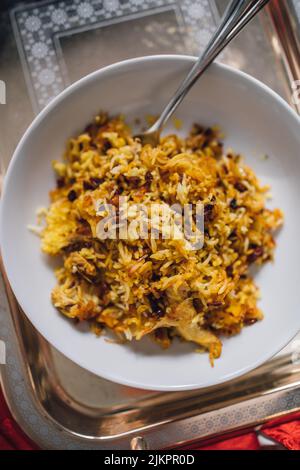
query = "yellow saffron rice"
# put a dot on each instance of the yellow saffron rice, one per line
(158, 287)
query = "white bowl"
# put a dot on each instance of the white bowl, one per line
(256, 122)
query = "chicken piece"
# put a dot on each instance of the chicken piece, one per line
(75, 299)
(181, 318)
(78, 262)
(203, 337)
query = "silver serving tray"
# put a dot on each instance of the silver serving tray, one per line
(58, 404)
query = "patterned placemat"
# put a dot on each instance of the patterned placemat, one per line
(40, 28)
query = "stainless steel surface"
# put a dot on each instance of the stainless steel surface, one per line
(58, 404)
(237, 15)
(287, 41)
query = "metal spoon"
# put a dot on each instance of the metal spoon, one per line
(236, 16)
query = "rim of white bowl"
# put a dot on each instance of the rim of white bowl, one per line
(36, 121)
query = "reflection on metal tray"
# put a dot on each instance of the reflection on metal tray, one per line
(58, 404)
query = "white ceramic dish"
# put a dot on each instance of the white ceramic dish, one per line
(256, 122)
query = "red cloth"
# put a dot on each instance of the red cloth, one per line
(286, 433)
(245, 442)
(11, 435)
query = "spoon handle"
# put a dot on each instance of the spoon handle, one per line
(236, 16)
